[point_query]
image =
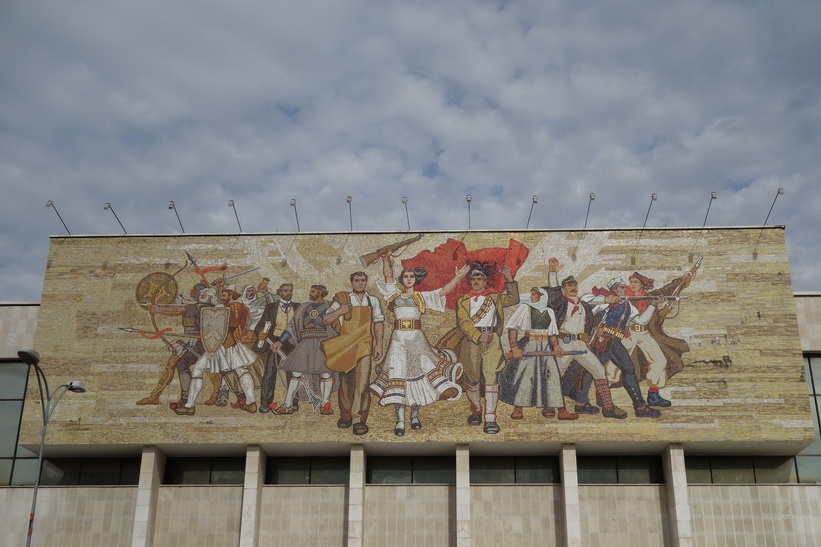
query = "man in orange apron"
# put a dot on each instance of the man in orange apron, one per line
(357, 316)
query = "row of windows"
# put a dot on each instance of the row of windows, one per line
(429, 470)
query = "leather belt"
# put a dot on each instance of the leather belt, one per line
(537, 335)
(567, 337)
(407, 324)
(639, 328)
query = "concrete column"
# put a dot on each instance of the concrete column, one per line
(152, 467)
(678, 499)
(252, 496)
(356, 497)
(570, 496)
(463, 527)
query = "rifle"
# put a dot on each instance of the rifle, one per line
(369, 258)
(666, 308)
(639, 298)
(509, 355)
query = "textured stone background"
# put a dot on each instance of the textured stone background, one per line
(740, 306)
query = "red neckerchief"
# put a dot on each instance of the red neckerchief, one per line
(640, 305)
(476, 295)
(575, 305)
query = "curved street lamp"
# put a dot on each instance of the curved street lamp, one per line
(48, 402)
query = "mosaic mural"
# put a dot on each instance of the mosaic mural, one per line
(668, 335)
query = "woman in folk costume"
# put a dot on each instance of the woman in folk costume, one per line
(531, 379)
(413, 373)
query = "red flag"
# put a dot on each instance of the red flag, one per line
(441, 264)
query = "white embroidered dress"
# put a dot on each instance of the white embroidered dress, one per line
(414, 373)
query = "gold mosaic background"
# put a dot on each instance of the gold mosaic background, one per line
(742, 380)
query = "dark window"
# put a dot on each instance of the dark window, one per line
(407, 470)
(319, 470)
(514, 470)
(640, 470)
(698, 470)
(620, 470)
(597, 470)
(204, 470)
(86, 471)
(774, 469)
(13, 382)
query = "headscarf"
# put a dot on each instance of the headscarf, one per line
(540, 305)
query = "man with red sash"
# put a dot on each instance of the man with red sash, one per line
(479, 318)
(357, 316)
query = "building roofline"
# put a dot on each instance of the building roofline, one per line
(366, 232)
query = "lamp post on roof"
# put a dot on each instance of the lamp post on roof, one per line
(50, 204)
(296, 214)
(48, 402)
(532, 203)
(174, 208)
(110, 208)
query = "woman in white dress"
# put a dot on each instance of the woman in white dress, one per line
(532, 379)
(414, 374)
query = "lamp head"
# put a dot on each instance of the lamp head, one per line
(404, 199)
(293, 203)
(713, 195)
(170, 204)
(592, 196)
(780, 191)
(349, 199)
(653, 197)
(106, 206)
(468, 198)
(230, 203)
(535, 198)
(76, 386)
(29, 356)
(49, 203)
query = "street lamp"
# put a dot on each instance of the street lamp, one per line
(48, 402)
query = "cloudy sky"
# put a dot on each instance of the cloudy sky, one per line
(139, 103)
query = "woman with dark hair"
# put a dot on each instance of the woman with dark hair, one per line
(414, 374)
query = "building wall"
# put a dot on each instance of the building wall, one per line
(18, 323)
(206, 515)
(522, 514)
(303, 515)
(808, 308)
(409, 515)
(756, 515)
(630, 515)
(69, 516)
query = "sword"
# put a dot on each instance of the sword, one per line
(230, 277)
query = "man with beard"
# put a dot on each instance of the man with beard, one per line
(306, 331)
(275, 318)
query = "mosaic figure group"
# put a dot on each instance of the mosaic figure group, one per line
(527, 351)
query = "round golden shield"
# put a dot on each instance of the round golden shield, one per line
(313, 314)
(156, 288)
